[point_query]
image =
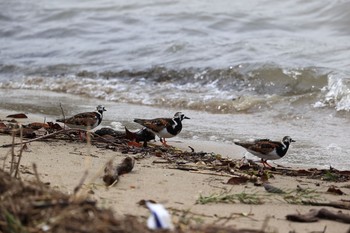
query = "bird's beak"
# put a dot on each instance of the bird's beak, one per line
(293, 140)
(186, 117)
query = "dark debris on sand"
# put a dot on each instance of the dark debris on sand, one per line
(128, 142)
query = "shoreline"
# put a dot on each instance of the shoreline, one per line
(225, 148)
(317, 143)
(62, 164)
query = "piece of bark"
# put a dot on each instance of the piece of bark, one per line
(339, 216)
(113, 172)
(18, 116)
(126, 166)
(309, 217)
(315, 215)
(334, 190)
(237, 180)
(335, 204)
(111, 175)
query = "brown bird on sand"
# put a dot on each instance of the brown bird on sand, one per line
(164, 127)
(85, 120)
(267, 149)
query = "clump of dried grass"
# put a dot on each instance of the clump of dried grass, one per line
(33, 207)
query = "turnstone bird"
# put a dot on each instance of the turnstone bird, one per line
(143, 135)
(164, 127)
(267, 149)
(85, 120)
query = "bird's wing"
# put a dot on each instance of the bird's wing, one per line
(263, 146)
(155, 125)
(85, 119)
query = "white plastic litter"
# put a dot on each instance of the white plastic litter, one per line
(160, 217)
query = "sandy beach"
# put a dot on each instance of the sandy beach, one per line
(234, 71)
(239, 70)
(62, 165)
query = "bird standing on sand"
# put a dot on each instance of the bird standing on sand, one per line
(164, 127)
(85, 120)
(267, 149)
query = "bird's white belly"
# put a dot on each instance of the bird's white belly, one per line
(164, 134)
(270, 156)
(84, 127)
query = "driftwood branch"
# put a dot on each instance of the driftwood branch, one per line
(315, 215)
(19, 161)
(339, 204)
(39, 138)
(80, 184)
(210, 173)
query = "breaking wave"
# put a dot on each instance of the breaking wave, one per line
(336, 93)
(235, 89)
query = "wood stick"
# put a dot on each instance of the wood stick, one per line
(12, 152)
(39, 138)
(80, 184)
(314, 215)
(19, 161)
(211, 173)
(338, 205)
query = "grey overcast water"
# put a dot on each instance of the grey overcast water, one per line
(239, 69)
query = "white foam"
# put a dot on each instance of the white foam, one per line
(337, 93)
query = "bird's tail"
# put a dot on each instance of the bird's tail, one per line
(130, 135)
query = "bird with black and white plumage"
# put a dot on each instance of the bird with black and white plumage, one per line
(267, 149)
(85, 120)
(164, 127)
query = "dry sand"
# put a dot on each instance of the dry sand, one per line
(63, 164)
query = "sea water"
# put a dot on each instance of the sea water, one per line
(240, 70)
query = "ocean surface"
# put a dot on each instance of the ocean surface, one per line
(238, 69)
